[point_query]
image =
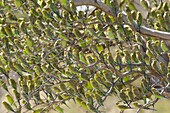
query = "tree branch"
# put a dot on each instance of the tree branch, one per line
(153, 33)
(143, 30)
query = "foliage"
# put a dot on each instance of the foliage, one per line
(65, 54)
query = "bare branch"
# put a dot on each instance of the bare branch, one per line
(153, 33)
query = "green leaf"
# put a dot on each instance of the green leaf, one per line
(107, 2)
(10, 99)
(7, 106)
(13, 83)
(159, 96)
(58, 108)
(29, 42)
(18, 3)
(110, 34)
(63, 36)
(100, 48)
(126, 78)
(3, 85)
(64, 2)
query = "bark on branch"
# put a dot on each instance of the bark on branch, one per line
(143, 30)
